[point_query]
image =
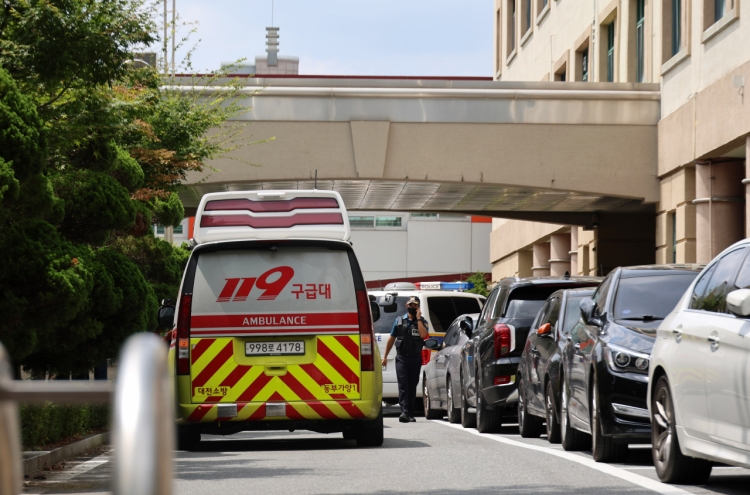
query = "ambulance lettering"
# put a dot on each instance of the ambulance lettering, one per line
(267, 321)
(271, 289)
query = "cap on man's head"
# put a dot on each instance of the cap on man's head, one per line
(413, 300)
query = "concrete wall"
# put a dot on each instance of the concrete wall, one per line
(425, 248)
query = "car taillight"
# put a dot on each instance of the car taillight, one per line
(183, 334)
(365, 331)
(426, 355)
(502, 340)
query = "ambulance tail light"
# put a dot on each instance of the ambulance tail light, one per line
(366, 336)
(501, 336)
(183, 334)
(426, 355)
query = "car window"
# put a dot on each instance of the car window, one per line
(523, 308)
(572, 314)
(654, 295)
(600, 296)
(714, 297)
(541, 317)
(385, 323)
(450, 335)
(700, 287)
(487, 310)
(554, 313)
(444, 309)
(743, 278)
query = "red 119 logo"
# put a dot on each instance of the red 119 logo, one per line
(270, 289)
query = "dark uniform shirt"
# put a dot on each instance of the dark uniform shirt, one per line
(409, 323)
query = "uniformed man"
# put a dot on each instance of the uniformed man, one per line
(408, 333)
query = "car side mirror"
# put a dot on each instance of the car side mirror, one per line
(432, 344)
(466, 325)
(388, 302)
(588, 312)
(545, 330)
(738, 302)
(165, 317)
(375, 311)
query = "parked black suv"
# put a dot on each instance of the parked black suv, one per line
(489, 360)
(606, 359)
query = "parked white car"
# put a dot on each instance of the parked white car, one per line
(699, 381)
(439, 308)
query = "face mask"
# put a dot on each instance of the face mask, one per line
(412, 311)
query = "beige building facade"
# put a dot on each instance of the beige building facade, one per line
(699, 53)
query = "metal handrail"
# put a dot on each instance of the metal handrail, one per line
(142, 425)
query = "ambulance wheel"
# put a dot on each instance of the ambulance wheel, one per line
(372, 434)
(188, 437)
(349, 434)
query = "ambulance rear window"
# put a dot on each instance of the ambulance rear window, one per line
(260, 291)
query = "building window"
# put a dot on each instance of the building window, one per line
(362, 222)
(611, 52)
(511, 20)
(498, 41)
(676, 26)
(719, 9)
(526, 15)
(673, 236)
(585, 65)
(560, 68)
(387, 221)
(640, 40)
(160, 230)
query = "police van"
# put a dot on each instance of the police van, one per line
(274, 327)
(441, 303)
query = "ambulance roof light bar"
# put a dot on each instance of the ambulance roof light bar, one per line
(293, 214)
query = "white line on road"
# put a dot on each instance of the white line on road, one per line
(636, 479)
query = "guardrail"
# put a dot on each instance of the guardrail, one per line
(143, 417)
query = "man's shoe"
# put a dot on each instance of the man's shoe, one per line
(403, 418)
(412, 420)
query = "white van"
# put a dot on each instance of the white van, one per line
(439, 307)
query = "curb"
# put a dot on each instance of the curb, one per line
(64, 453)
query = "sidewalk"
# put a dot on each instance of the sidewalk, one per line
(34, 461)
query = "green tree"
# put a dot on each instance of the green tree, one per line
(480, 284)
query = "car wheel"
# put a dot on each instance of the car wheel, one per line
(571, 439)
(429, 412)
(529, 425)
(371, 435)
(488, 421)
(604, 449)
(468, 420)
(188, 437)
(553, 425)
(454, 413)
(672, 466)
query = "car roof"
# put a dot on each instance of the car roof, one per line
(514, 282)
(658, 270)
(423, 293)
(576, 292)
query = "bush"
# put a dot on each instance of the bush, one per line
(51, 423)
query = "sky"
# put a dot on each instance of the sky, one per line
(346, 37)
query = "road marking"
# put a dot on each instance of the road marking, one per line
(636, 479)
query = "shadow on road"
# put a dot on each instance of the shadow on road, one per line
(219, 447)
(517, 490)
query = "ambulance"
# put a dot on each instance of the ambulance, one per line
(274, 326)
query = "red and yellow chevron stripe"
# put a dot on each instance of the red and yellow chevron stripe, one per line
(321, 384)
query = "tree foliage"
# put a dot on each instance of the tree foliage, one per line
(479, 280)
(92, 153)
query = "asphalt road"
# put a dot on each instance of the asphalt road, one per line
(430, 457)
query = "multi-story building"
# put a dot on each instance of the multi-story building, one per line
(699, 53)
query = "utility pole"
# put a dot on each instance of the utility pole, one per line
(174, 22)
(166, 66)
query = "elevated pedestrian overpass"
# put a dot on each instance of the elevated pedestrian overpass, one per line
(548, 151)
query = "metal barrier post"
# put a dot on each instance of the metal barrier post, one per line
(10, 442)
(143, 419)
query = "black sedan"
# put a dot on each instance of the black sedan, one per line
(606, 359)
(541, 362)
(489, 360)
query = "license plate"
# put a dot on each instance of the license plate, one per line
(287, 348)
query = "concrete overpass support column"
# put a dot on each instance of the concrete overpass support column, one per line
(573, 250)
(720, 209)
(541, 255)
(559, 260)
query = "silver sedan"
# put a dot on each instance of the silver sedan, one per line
(441, 381)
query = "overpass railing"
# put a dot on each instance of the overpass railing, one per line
(142, 417)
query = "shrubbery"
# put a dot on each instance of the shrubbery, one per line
(51, 423)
